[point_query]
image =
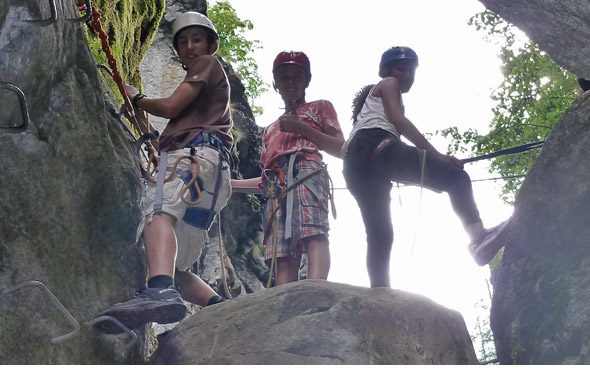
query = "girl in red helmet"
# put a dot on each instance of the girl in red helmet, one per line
(294, 180)
(374, 156)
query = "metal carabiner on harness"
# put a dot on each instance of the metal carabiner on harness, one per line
(145, 139)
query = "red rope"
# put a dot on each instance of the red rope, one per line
(104, 38)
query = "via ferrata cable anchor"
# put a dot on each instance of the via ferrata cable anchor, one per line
(84, 6)
(23, 105)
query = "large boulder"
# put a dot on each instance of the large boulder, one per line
(319, 322)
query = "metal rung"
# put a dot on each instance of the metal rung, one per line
(23, 106)
(52, 18)
(69, 317)
(131, 333)
(56, 303)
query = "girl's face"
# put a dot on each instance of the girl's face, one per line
(404, 71)
(291, 81)
(192, 43)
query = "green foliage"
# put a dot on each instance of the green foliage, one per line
(236, 49)
(130, 26)
(533, 96)
(483, 337)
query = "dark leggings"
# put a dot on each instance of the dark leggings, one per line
(369, 171)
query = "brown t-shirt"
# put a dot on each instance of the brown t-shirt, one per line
(209, 111)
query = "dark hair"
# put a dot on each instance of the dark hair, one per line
(359, 101)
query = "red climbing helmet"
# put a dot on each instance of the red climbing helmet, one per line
(292, 57)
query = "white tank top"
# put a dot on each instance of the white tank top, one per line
(372, 115)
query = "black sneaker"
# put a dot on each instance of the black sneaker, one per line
(487, 244)
(161, 305)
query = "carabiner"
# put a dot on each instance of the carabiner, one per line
(23, 106)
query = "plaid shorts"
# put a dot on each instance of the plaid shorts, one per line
(309, 213)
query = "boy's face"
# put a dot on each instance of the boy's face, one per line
(404, 71)
(192, 43)
(291, 81)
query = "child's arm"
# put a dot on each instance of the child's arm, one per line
(331, 141)
(171, 106)
(390, 94)
(246, 185)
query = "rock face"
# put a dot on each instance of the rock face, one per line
(69, 191)
(541, 305)
(318, 322)
(559, 27)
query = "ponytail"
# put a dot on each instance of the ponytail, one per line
(359, 101)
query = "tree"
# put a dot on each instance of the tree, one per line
(533, 96)
(236, 49)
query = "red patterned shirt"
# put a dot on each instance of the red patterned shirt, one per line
(276, 144)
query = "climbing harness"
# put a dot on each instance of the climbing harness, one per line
(514, 150)
(280, 187)
(67, 315)
(196, 216)
(23, 106)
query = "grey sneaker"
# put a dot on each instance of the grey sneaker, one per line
(487, 244)
(160, 305)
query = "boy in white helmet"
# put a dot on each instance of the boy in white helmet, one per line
(198, 136)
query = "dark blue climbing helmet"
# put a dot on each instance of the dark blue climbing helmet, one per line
(394, 54)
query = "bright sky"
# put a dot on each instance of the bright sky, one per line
(457, 72)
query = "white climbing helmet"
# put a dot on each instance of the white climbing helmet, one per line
(190, 19)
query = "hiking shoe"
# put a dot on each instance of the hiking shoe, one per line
(487, 244)
(161, 305)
